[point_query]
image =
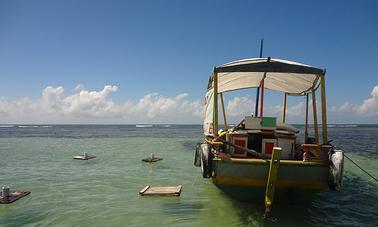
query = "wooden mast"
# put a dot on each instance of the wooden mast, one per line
(284, 108)
(215, 87)
(324, 110)
(224, 112)
(306, 123)
(315, 115)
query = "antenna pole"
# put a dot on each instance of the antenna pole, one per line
(258, 89)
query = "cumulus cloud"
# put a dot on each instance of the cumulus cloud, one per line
(86, 106)
(240, 106)
(156, 106)
(368, 108)
(83, 104)
(370, 105)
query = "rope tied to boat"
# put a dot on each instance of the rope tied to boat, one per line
(360, 167)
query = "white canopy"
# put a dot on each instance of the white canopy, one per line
(280, 75)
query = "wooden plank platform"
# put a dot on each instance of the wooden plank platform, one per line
(149, 159)
(82, 157)
(13, 196)
(171, 190)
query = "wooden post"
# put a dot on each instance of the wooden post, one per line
(215, 87)
(262, 98)
(257, 102)
(315, 116)
(284, 108)
(324, 109)
(224, 112)
(272, 178)
(306, 123)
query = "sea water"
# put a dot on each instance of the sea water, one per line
(104, 191)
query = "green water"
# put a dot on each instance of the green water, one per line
(104, 191)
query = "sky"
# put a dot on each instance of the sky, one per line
(126, 62)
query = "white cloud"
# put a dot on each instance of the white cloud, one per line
(81, 105)
(240, 106)
(157, 107)
(368, 108)
(79, 87)
(86, 106)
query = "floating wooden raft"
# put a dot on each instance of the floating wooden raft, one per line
(171, 190)
(82, 157)
(149, 159)
(13, 196)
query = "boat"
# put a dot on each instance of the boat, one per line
(263, 157)
(143, 126)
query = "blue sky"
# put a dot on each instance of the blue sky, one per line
(168, 48)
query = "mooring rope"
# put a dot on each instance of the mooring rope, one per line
(360, 167)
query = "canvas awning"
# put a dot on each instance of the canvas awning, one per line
(280, 75)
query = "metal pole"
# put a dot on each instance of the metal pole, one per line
(258, 89)
(261, 47)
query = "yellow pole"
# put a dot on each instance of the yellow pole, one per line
(215, 87)
(224, 112)
(324, 110)
(272, 178)
(306, 123)
(284, 108)
(315, 116)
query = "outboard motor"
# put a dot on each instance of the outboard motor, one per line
(197, 155)
(336, 169)
(203, 158)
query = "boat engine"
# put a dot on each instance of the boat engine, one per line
(203, 159)
(336, 169)
(197, 155)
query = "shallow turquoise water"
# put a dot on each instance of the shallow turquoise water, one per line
(104, 191)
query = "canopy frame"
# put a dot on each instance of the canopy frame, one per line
(266, 66)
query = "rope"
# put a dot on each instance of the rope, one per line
(360, 167)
